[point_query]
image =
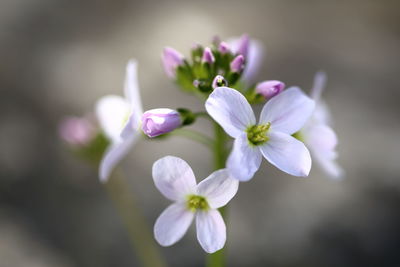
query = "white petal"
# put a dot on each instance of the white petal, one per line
(287, 154)
(318, 86)
(218, 188)
(112, 112)
(288, 111)
(231, 110)
(172, 224)
(114, 155)
(132, 91)
(331, 167)
(211, 230)
(254, 60)
(174, 178)
(244, 160)
(322, 142)
(321, 139)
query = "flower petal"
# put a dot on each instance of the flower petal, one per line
(131, 88)
(322, 142)
(287, 154)
(114, 155)
(172, 224)
(132, 94)
(231, 110)
(211, 230)
(244, 160)
(288, 111)
(218, 188)
(254, 57)
(318, 86)
(112, 112)
(174, 178)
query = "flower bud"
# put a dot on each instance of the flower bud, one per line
(237, 64)
(269, 89)
(77, 131)
(223, 48)
(171, 59)
(208, 56)
(160, 121)
(243, 47)
(219, 81)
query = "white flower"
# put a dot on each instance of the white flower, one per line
(175, 180)
(318, 135)
(119, 118)
(281, 117)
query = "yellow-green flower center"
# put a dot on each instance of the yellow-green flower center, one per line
(196, 202)
(257, 134)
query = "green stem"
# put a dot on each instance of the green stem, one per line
(132, 216)
(218, 259)
(194, 135)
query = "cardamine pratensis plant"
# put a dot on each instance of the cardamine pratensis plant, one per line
(292, 129)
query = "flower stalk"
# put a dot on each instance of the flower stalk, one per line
(218, 259)
(139, 232)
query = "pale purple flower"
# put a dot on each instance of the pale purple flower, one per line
(253, 51)
(219, 81)
(174, 178)
(119, 118)
(171, 59)
(208, 56)
(269, 89)
(160, 121)
(237, 64)
(77, 131)
(281, 117)
(318, 134)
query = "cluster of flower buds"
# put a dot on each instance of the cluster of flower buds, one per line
(197, 73)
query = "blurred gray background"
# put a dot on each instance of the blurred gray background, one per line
(59, 56)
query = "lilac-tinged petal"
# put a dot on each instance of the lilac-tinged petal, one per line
(131, 88)
(322, 142)
(287, 154)
(223, 48)
(237, 64)
(254, 56)
(114, 155)
(318, 86)
(160, 121)
(269, 89)
(208, 56)
(288, 111)
(218, 188)
(321, 139)
(172, 224)
(77, 131)
(231, 110)
(244, 160)
(171, 59)
(174, 178)
(322, 114)
(211, 230)
(219, 81)
(112, 112)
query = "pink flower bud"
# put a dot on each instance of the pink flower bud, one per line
(243, 47)
(219, 81)
(223, 48)
(237, 64)
(269, 89)
(76, 131)
(160, 121)
(171, 59)
(208, 56)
